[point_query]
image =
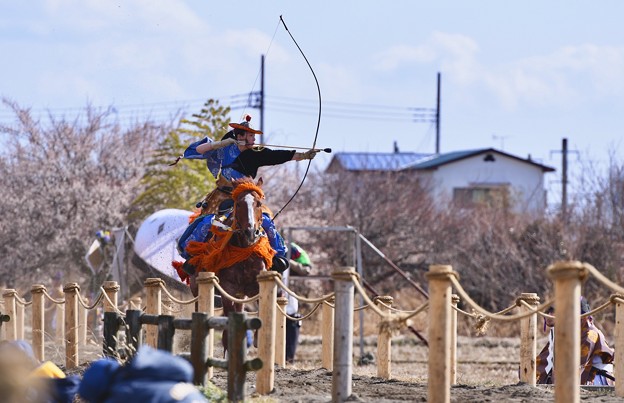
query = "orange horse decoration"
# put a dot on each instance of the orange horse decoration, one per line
(239, 242)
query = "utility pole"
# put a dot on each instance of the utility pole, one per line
(437, 149)
(564, 178)
(262, 99)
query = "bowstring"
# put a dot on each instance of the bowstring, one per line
(318, 123)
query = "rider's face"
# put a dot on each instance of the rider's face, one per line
(249, 138)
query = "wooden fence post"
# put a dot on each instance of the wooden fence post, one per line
(206, 303)
(71, 324)
(618, 360)
(342, 376)
(109, 334)
(38, 320)
(198, 347)
(167, 305)
(265, 378)
(9, 295)
(135, 303)
(528, 340)
(327, 333)
(59, 332)
(111, 288)
(280, 333)
(166, 332)
(439, 379)
(19, 308)
(454, 302)
(237, 353)
(134, 329)
(3, 317)
(82, 322)
(567, 278)
(384, 340)
(152, 307)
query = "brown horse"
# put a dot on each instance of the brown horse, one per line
(238, 250)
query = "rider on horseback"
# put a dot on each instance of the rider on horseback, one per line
(233, 158)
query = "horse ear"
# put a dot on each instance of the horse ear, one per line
(260, 181)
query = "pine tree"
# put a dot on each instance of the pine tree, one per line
(184, 184)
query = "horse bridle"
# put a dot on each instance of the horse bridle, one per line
(259, 232)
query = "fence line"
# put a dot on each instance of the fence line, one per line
(337, 312)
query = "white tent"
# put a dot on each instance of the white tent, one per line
(157, 237)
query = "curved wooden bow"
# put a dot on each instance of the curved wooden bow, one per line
(318, 123)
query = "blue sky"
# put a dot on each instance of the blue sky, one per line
(517, 76)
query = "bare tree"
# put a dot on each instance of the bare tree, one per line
(62, 181)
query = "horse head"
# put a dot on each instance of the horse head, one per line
(247, 197)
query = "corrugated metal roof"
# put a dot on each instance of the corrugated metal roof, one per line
(435, 161)
(377, 161)
(402, 161)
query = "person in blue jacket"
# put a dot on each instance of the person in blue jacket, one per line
(151, 376)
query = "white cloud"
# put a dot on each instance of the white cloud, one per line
(567, 76)
(454, 50)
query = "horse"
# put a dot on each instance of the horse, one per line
(238, 250)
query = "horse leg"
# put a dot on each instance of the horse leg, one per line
(193, 284)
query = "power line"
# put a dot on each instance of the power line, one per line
(169, 109)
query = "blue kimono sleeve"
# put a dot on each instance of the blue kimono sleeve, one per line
(214, 158)
(191, 151)
(275, 239)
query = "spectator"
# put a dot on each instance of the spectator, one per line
(300, 265)
(596, 366)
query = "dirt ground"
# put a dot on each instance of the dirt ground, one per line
(487, 372)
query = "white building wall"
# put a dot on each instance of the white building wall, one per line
(526, 182)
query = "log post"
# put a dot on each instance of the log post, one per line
(111, 288)
(454, 302)
(9, 295)
(153, 307)
(439, 379)
(135, 303)
(167, 305)
(528, 340)
(82, 323)
(384, 340)
(109, 334)
(342, 376)
(280, 333)
(133, 330)
(166, 332)
(3, 318)
(237, 353)
(71, 291)
(619, 347)
(38, 321)
(567, 278)
(198, 347)
(327, 333)
(206, 303)
(19, 316)
(265, 378)
(59, 332)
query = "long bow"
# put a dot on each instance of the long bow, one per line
(318, 123)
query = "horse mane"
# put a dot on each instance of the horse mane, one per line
(244, 185)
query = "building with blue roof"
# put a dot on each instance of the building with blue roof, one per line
(466, 178)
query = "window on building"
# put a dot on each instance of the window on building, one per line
(474, 196)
